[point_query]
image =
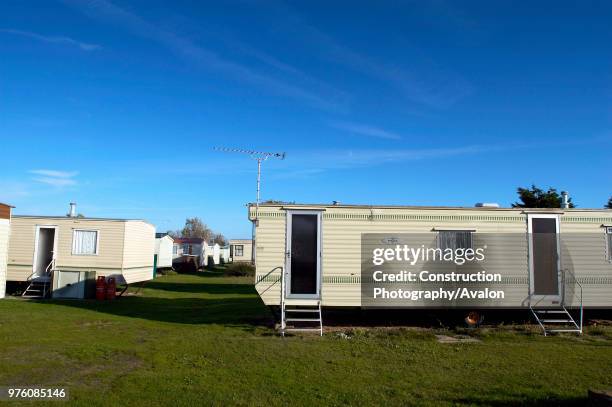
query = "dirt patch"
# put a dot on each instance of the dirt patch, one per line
(48, 368)
(456, 339)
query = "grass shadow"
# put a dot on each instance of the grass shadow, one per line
(192, 301)
(237, 312)
(546, 402)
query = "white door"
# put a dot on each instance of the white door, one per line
(303, 254)
(45, 248)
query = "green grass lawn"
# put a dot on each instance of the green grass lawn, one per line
(202, 339)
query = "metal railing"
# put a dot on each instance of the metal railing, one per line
(282, 290)
(48, 277)
(568, 299)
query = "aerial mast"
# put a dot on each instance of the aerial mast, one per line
(259, 156)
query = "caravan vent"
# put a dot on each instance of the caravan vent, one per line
(487, 205)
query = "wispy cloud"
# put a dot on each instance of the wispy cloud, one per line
(53, 39)
(55, 174)
(108, 12)
(55, 178)
(364, 130)
(308, 163)
(424, 81)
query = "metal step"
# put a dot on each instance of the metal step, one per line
(301, 310)
(301, 302)
(552, 321)
(550, 311)
(302, 320)
(569, 322)
(302, 329)
(563, 330)
(311, 311)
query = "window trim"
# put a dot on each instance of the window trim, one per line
(97, 251)
(608, 241)
(241, 250)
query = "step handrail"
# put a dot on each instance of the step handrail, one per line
(567, 271)
(259, 279)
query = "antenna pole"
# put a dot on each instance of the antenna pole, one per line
(259, 156)
(258, 187)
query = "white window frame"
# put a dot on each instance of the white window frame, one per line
(236, 246)
(608, 235)
(288, 229)
(55, 244)
(97, 252)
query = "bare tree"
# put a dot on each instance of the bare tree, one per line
(219, 239)
(194, 227)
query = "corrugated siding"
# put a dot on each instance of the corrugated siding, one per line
(163, 249)
(584, 255)
(4, 238)
(139, 249)
(21, 245)
(341, 249)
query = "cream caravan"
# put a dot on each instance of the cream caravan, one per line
(545, 260)
(62, 255)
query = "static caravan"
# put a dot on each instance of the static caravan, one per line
(210, 254)
(164, 245)
(63, 255)
(241, 250)
(188, 250)
(224, 254)
(5, 230)
(548, 261)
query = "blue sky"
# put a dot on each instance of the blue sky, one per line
(118, 105)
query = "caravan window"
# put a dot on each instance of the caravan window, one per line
(239, 250)
(455, 239)
(85, 242)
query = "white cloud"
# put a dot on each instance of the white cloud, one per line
(55, 178)
(55, 174)
(365, 130)
(56, 182)
(53, 39)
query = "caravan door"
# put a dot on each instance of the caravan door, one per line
(303, 254)
(544, 258)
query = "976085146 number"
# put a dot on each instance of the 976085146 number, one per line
(33, 393)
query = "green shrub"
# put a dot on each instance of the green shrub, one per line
(240, 269)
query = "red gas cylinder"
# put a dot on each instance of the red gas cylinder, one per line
(100, 288)
(111, 288)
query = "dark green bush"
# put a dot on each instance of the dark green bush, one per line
(240, 269)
